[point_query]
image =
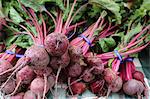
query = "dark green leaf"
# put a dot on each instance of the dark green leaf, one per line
(109, 5)
(110, 42)
(103, 45)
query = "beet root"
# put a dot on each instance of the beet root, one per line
(38, 56)
(4, 66)
(78, 88)
(9, 87)
(29, 95)
(37, 86)
(75, 70)
(138, 75)
(97, 86)
(40, 71)
(96, 63)
(133, 87)
(62, 61)
(88, 76)
(109, 75)
(116, 85)
(75, 53)
(18, 96)
(56, 44)
(26, 75)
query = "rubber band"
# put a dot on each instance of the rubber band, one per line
(118, 55)
(12, 53)
(9, 52)
(19, 55)
(86, 39)
(129, 59)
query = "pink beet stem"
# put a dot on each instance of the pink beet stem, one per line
(134, 50)
(113, 64)
(51, 16)
(128, 71)
(138, 35)
(78, 39)
(58, 28)
(132, 44)
(69, 17)
(117, 65)
(133, 67)
(44, 27)
(39, 30)
(106, 31)
(76, 13)
(70, 28)
(86, 46)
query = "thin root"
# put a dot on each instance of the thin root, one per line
(56, 81)
(45, 86)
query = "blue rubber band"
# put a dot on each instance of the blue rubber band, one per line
(86, 39)
(129, 59)
(118, 55)
(9, 52)
(19, 56)
(12, 53)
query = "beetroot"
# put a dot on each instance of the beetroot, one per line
(56, 44)
(88, 76)
(75, 53)
(26, 75)
(133, 87)
(40, 71)
(9, 87)
(4, 66)
(23, 76)
(19, 62)
(109, 75)
(78, 88)
(37, 86)
(62, 61)
(74, 70)
(38, 56)
(138, 75)
(29, 95)
(97, 86)
(18, 96)
(96, 63)
(116, 85)
(98, 70)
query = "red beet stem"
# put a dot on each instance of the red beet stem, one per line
(128, 71)
(69, 17)
(138, 35)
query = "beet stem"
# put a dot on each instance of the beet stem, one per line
(45, 86)
(56, 81)
(69, 17)
(70, 89)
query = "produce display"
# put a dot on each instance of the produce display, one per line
(75, 44)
